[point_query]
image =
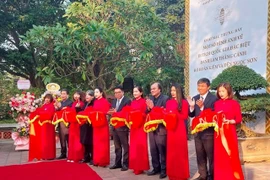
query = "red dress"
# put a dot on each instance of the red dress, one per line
(42, 134)
(34, 137)
(75, 148)
(227, 164)
(48, 132)
(138, 148)
(177, 147)
(101, 140)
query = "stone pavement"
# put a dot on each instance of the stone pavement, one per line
(252, 171)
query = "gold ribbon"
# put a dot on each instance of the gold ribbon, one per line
(78, 117)
(151, 122)
(32, 127)
(120, 120)
(44, 122)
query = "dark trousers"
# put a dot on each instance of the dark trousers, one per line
(204, 144)
(158, 151)
(88, 152)
(120, 139)
(63, 135)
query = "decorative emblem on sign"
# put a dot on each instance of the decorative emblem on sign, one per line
(223, 14)
(52, 87)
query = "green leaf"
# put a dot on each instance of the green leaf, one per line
(83, 76)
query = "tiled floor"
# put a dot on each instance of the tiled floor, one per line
(253, 171)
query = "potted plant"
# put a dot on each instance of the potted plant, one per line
(252, 146)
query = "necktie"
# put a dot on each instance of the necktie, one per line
(202, 98)
(117, 104)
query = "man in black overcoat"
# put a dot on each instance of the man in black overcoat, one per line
(158, 138)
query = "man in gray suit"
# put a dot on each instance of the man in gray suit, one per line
(157, 138)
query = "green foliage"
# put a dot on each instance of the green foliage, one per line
(7, 121)
(253, 104)
(104, 42)
(16, 18)
(166, 75)
(172, 11)
(8, 89)
(241, 78)
(260, 102)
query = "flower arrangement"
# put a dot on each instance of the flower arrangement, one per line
(22, 130)
(21, 105)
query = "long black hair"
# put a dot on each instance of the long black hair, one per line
(179, 95)
(101, 91)
(81, 93)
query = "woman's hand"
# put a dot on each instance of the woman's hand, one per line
(228, 121)
(57, 104)
(78, 104)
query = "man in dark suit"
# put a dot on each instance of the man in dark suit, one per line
(204, 140)
(63, 130)
(157, 138)
(120, 135)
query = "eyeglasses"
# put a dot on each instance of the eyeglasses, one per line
(117, 92)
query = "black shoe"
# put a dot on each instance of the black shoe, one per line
(162, 175)
(62, 156)
(91, 162)
(153, 172)
(115, 167)
(84, 161)
(124, 168)
(200, 178)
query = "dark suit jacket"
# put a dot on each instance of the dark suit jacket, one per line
(208, 103)
(125, 101)
(66, 103)
(160, 102)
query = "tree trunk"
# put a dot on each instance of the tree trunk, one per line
(237, 94)
(36, 82)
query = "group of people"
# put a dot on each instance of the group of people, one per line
(217, 151)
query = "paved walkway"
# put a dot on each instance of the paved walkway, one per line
(252, 171)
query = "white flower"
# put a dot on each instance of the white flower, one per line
(132, 51)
